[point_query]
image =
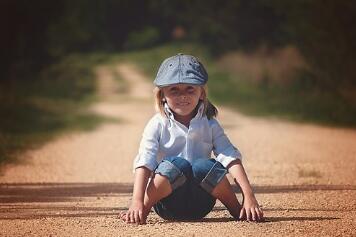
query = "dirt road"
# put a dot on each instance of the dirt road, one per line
(303, 175)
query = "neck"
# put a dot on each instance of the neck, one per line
(185, 120)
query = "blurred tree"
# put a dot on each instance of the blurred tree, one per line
(325, 33)
(22, 41)
(36, 33)
(78, 28)
(225, 25)
(144, 38)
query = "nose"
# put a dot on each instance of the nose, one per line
(183, 96)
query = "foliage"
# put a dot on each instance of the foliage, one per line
(323, 30)
(225, 25)
(301, 101)
(145, 38)
(33, 111)
(36, 33)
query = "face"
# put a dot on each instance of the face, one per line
(182, 98)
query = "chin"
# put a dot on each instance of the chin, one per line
(182, 113)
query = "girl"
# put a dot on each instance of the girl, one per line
(174, 155)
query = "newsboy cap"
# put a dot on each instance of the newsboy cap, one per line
(181, 68)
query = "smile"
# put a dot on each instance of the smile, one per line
(183, 104)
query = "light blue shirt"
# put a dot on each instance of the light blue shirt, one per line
(166, 137)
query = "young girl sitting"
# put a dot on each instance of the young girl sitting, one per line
(174, 172)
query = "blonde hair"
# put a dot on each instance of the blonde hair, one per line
(209, 109)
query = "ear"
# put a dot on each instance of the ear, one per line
(202, 95)
(162, 96)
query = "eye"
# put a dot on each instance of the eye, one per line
(173, 90)
(190, 89)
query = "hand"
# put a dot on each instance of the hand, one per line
(250, 210)
(135, 214)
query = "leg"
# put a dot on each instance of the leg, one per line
(166, 187)
(223, 191)
(158, 188)
(212, 178)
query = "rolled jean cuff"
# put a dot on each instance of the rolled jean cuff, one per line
(213, 178)
(175, 175)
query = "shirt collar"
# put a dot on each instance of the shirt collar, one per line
(170, 114)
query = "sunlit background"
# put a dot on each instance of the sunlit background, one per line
(292, 60)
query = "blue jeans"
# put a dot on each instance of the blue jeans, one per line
(192, 185)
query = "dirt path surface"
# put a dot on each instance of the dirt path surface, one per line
(303, 175)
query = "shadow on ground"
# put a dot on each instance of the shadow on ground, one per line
(267, 219)
(64, 192)
(68, 200)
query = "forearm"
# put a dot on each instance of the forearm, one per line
(237, 171)
(251, 209)
(136, 214)
(142, 175)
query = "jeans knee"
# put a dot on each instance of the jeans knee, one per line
(177, 170)
(182, 164)
(208, 172)
(202, 167)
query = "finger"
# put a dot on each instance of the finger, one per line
(248, 215)
(253, 214)
(259, 213)
(127, 217)
(132, 218)
(242, 214)
(137, 218)
(140, 217)
(122, 215)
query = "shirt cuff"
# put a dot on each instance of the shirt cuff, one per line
(147, 162)
(226, 160)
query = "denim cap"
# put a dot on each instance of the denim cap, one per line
(181, 68)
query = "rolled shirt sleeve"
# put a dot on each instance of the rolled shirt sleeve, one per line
(147, 154)
(223, 149)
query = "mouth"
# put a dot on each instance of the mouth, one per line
(183, 104)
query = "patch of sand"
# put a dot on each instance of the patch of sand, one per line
(304, 175)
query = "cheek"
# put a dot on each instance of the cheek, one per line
(170, 103)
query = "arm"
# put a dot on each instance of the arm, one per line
(250, 208)
(230, 157)
(144, 163)
(136, 212)
(223, 149)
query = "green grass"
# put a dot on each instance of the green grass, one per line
(292, 102)
(38, 108)
(149, 60)
(300, 101)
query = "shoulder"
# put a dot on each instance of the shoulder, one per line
(215, 126)
(213, 122)
(155, 123)
(157, 119)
